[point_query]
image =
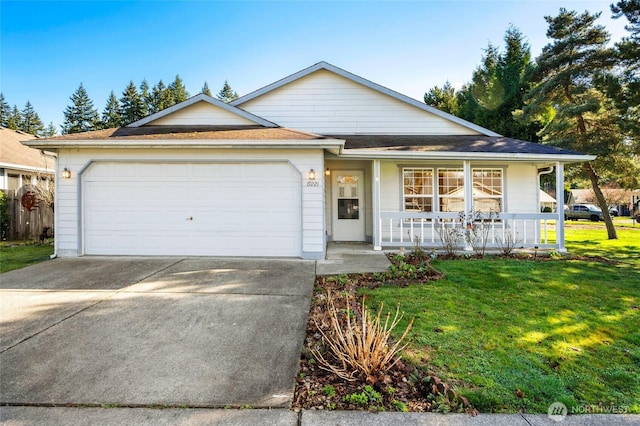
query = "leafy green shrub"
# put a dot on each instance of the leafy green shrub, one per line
(400, 406)
(368, 396)
(329, 390)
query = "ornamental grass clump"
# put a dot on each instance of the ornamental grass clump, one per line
(359, 344)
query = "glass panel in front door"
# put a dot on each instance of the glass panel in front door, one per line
(348, 203)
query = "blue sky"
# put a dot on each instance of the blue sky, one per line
(49, 47)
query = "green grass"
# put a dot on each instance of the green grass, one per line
(564, 331)
(14, 256)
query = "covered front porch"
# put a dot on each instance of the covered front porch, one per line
(394, 203)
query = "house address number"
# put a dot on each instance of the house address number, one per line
(313, 183)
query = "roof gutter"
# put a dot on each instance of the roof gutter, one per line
(191, 143)
(448, 155)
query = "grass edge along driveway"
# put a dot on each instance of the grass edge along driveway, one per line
(518, 335)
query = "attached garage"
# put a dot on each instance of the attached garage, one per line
(192, 208)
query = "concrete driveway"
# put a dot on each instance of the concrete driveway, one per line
(153, 331)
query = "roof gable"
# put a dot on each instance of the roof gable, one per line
(376, 101)
(202, 110)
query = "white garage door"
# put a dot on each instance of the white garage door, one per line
(197, 209)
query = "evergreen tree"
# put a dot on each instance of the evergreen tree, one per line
(444, 98)
(145, 95)
(495, 91)
(80, 116)
(50, 131)
(625, 87)
(585, 120)
(31, 122)
(227, 94)
(178, 90)
(111, 114)
(205, 89)
(131, 105)
(161, 98)
(14, 121)
(5, 111)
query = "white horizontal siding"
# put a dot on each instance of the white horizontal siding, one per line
(202, 113)
(326, 103)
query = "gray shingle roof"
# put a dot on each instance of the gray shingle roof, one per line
(445, 143)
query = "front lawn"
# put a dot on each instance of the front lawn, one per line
(19, 255)
(520, 334)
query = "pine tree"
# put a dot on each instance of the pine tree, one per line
(444, 98)
(5, 111)
(626, 84)
(80, 116)
(111, 114)
(227, 94)
(178, 90)
(131, 105)
(161, 97)
(50, 131)
(31, 122)
(145, 95)
(14, 121)
(585, 120)
(205, 89)
(495, 91)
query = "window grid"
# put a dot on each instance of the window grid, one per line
(451, 190)
(487, 190)
(418, 189)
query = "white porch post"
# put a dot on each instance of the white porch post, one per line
(377, 238)
(560, 207)
(468, 198)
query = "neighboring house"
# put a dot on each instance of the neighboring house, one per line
(625, 200)
(322, 155)
(546, 200)
(19, 164)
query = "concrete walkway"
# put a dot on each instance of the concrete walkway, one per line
(153, 331)
(352, 258)
(280, 417)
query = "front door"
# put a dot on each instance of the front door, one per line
(348, 205)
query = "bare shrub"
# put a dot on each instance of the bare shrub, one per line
(479, 227)
(360, 345)
(507, 243)
(450, 238)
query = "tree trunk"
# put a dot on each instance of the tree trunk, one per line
(602, 203)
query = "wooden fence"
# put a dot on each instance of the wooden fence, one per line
(28, 216)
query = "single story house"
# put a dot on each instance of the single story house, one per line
(19, 164)
(321, 155)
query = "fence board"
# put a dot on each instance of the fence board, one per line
(25, 224)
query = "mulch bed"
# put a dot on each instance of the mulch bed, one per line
(401, 388)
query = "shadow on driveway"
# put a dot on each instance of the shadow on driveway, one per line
(148, 331)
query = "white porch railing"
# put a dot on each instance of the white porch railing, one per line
(522, 230)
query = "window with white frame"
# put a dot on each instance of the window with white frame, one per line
(451, 190)
(417, 189)
(487, 190)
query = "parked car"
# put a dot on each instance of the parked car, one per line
(583, 211)
(613, 211)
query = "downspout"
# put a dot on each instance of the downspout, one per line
(541, 172)
(55, 182)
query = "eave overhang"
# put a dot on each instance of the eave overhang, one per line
(448, 155)
(329, 144)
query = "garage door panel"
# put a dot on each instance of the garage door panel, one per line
(230, 209)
